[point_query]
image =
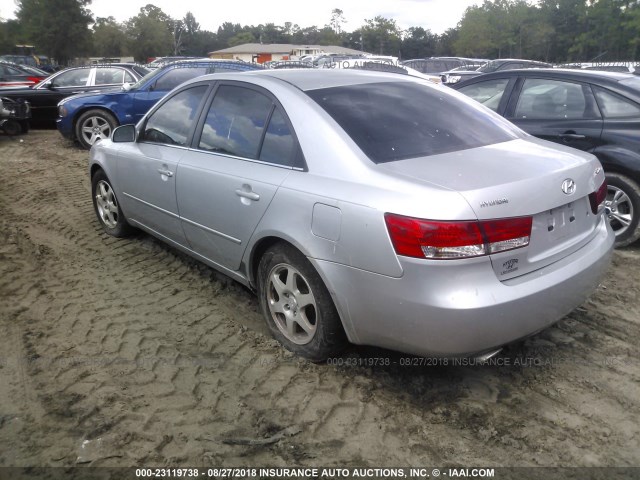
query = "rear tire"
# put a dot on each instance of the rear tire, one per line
(297, 305)
(623, 208)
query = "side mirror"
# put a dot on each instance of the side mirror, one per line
(49, 85)
(124, 134)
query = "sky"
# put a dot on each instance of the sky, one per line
(435, 15)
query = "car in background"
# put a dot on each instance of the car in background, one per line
(597, 112)
(44, 96)
(621, 67)
(14, 116)
(283, 64)
(444, 76)
(14, 75)
(383, 65)
(93, 116)
(162, 61)
(499, 65)
(373, 207)
(438, 65)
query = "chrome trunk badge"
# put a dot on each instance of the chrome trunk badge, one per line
(569, 186)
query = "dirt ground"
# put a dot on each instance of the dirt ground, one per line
(128, 353)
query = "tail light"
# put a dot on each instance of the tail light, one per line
(34, 79)
(596, 198)
(419, 238)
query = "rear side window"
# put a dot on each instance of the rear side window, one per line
(615, 106)
(278, 142)
(176, 76)
(397, 120)
(235, 122)
(172, 122)
(109, 76)
(554, 99)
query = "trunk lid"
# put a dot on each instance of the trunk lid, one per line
(520, 178)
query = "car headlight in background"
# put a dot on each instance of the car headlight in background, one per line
(453, 78)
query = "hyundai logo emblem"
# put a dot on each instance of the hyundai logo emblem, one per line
(569, 186)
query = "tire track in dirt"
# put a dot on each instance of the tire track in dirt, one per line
(163, 359)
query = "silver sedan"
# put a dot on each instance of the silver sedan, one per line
(365, 207)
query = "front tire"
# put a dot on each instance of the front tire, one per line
(297, 306)
(623, 208)
(94, 125)
(107, 208)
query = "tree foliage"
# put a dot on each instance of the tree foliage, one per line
(60, 25)
(150, 34)
(551, 30)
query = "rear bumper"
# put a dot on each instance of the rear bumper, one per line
(451, 308)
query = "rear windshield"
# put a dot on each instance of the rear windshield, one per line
(398, 120)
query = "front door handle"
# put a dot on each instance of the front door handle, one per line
(248, 194)
(167, 173)
(572, 136)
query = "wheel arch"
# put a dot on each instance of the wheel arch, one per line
(619, 160)
(86, 108)
(263, 244)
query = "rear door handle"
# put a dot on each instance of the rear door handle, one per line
(248, 194)
(168, 173)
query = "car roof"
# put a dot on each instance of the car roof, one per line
(584, 75)
(313, 79)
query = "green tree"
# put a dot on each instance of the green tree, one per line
(241, 38)
(10, 35)
(150, 34)
(109, 38)
(337, 20)
(418, 43)
(59, 28)
(382, 36)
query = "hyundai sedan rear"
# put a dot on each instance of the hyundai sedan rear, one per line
(360, 206)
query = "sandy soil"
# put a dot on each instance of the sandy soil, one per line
(128, 353)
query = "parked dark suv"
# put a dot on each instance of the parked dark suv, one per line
(598, 112)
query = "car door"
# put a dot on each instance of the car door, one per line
(148, 168)
(110, 78)
(561, 111)
(158, 88)
(45, 97)
(244, 151)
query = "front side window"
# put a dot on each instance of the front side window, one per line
(615, 106)
(489, 93)
(553, 99)
(172, 122)
(235, 122)
(72, 78)
(396, 120)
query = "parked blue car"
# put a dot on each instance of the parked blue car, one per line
(90, 117)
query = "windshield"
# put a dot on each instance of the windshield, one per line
(146, 78)
(397, 120)
(491, 66)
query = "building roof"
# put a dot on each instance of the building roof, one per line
(285, 48)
